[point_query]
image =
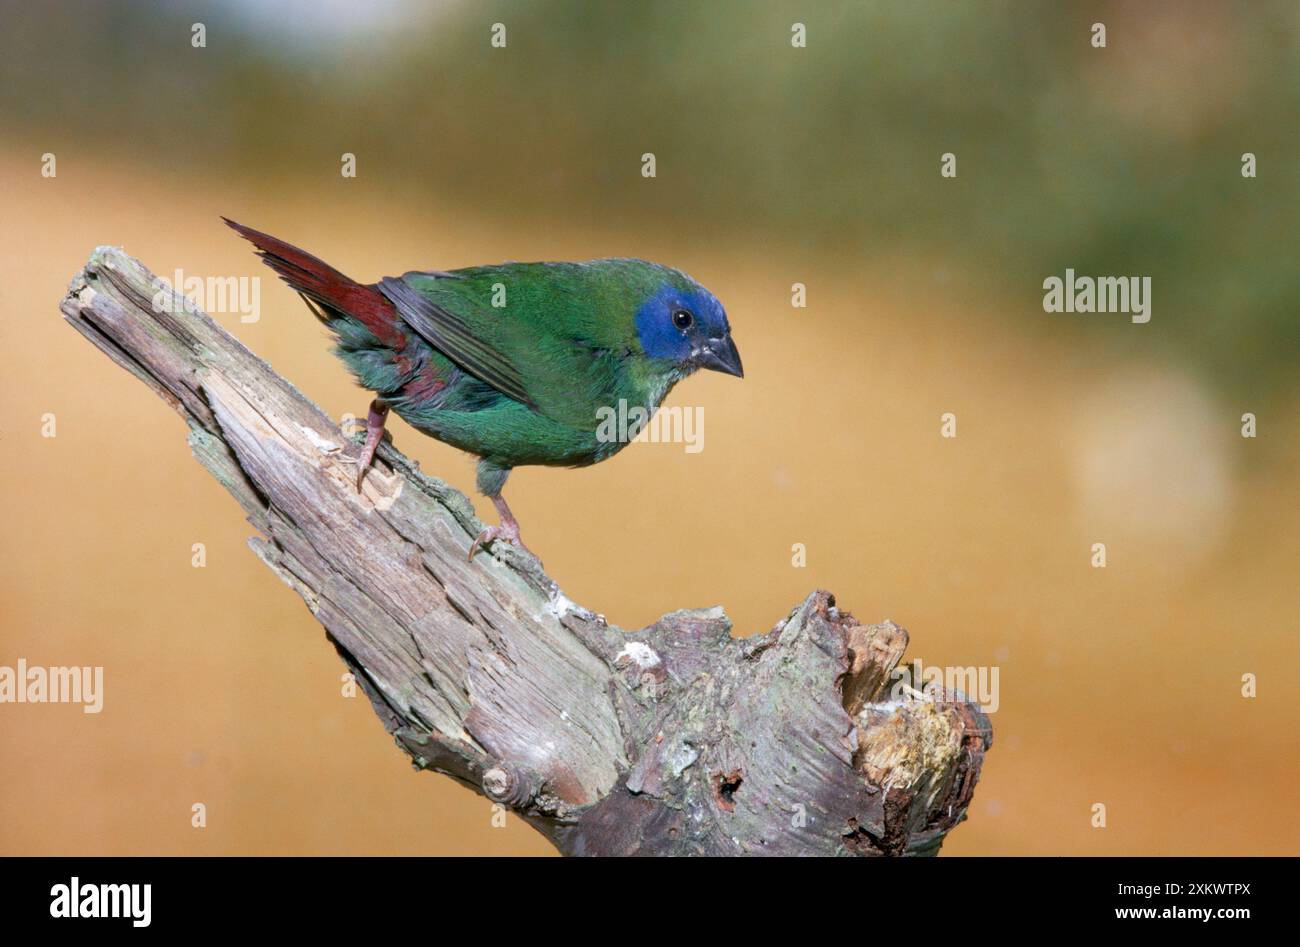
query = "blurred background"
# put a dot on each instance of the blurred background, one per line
(775, 165)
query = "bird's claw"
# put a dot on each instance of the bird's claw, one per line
(374, 434)
(490, 535)
(506, 532)
(361, 462)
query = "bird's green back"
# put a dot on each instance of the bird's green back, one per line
(566, 331)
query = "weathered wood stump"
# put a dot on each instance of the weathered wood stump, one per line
(675, 739)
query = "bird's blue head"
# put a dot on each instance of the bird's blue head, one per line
(683, 323)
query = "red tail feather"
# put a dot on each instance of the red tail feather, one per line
(319, 281)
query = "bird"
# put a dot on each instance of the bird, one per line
(515, 363)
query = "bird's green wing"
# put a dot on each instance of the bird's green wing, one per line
(456, 338)
(556, 339)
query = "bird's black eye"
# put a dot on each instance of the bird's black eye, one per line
(682, 319)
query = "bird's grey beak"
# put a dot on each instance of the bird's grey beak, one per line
(720, 355)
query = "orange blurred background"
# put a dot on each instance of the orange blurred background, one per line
(1119, 685)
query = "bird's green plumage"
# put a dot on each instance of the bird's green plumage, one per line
(521, 363)
(566, 331)
(561, 324)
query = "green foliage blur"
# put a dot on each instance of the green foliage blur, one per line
(1118, 161)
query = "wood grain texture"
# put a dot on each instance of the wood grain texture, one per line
(675, 739)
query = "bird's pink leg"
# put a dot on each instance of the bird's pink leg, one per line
(507, 529)
(374, 434)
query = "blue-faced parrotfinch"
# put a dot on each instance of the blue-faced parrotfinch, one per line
(514, 362)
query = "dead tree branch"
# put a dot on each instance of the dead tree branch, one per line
(676, 739)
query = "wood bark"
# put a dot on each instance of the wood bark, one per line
(675, 739)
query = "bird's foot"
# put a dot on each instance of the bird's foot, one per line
(507, 530)
(374, 434)
(509, 534)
